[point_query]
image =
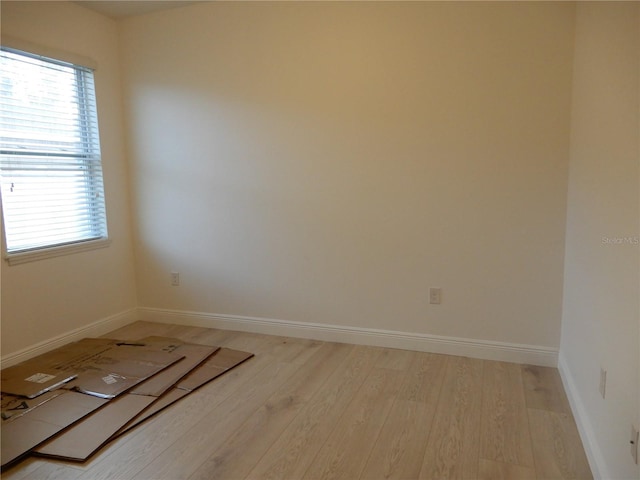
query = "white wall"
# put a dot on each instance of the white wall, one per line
(48, 298)
(329, 162)
(600, 325)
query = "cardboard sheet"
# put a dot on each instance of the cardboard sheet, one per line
(100, 367)
(120, 368)
(24, 433)
(74, 421)
(92, 432)
(48, 371)
(31, 380)
(89, 434)
(169, 398)
(224, 360)
(193, 355)
(14, 406)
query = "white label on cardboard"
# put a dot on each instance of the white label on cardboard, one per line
(40, 378)
(109, 379)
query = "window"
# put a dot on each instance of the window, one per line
(50, 165)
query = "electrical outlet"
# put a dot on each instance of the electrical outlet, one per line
(435, 295)
(634, 444)
(175, 279)
(603, 382)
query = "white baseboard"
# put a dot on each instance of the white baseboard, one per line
(483, 349)
(94, 329)
(587, 434)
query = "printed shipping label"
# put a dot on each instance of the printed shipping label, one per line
(40, 378)
(109, 379)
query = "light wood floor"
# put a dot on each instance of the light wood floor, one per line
(303, 409)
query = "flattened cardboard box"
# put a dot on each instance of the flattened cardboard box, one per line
(120, 368)
(103, 368)
(92, 432)
(100, 367)
(86, 437)
(14, 406)
(224, 360)
(30, 380)
(193, 354)
(50, 370)
(129, 410)
(22, 434)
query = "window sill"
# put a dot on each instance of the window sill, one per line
(57, 251)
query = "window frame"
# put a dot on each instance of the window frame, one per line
(67, 248)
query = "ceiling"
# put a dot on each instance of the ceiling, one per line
(129, 8)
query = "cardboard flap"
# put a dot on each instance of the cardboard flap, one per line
(32, 380)
(76, 420)
(14, 406)
(93, 431)
(28, 431)
(223, 360)
(50, 370)
(193, 354)
(101, 367)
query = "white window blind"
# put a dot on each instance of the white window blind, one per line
(50, 165)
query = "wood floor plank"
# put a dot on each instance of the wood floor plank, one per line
(23, 469)
(191, 449)
(37, 469)
(490, 470)
(135, 450)
(395, 359)
(453, 447)
(555, 437)
(285, 349)
(293, 452)
(177, 331)
(296, 350)
(399, 450)
(347, 449)
(54, 471)
(253, 342)
(210, 336)
(505, 424)
(196, 335)
(254, 437)
(543, 389)
(424, 378)
(300, 408)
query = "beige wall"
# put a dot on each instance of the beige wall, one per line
(48, 298)
(601, 316)
(329, 162)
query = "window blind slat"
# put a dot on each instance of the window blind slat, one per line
(50, 166)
